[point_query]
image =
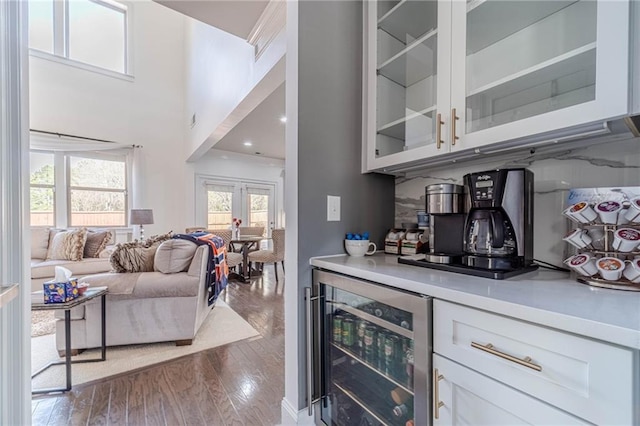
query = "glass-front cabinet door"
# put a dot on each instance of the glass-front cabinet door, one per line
(523, 67)
(408, 70)
(375, 354)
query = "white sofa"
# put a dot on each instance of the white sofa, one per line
(162, 307)
(43, 270)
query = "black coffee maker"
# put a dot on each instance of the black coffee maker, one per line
(499, 226)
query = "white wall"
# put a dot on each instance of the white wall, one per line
(227, 165)
(221, 71)
(148, 111)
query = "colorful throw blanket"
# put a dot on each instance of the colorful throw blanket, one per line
(217, 269)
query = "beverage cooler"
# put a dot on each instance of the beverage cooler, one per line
(368, 353)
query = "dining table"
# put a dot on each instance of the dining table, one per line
(244, 244)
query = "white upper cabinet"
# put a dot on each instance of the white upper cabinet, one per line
(445, 76)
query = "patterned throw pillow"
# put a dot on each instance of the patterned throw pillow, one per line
(136, 256)
(96, 242)
(67, 245)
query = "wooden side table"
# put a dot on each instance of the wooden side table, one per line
(89, 294)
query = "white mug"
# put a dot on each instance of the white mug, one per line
(626, 239)
(608, 211)
(610, 268)
(633, 212)
(632, 270)
(582, 212)
(583, 263)
(358, 248)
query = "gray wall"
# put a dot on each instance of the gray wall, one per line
(329, 140)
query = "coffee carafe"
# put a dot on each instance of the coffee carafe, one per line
(499, 226)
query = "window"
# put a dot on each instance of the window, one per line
(252, 202)
(92, 32)
(90, 190)
(42, 189)
(97, 192)
(219, 206)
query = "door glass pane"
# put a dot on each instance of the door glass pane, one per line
(97, 208)
(41, 25)
(219, 213)
(369, 361)
(97, 35)
(258, 210)
(526, 58)
(406, 75)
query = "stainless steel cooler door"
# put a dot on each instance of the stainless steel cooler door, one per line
(372, 353)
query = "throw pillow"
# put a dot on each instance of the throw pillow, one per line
(67, 245)
(96, 242)
(136, 256)
(174, 256)
(39, 243)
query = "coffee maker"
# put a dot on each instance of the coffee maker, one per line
(445, 207)
(498, 233)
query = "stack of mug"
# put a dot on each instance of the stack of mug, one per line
(608, 239)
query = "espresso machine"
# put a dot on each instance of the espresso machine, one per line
(498, 233)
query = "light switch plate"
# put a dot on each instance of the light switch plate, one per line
(333, 208)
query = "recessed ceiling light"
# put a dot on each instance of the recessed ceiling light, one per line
(247, 143)
(283, 119)
(258, 153)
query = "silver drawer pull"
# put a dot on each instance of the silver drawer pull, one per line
(489, 348)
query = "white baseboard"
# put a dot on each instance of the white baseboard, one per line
(291, 416)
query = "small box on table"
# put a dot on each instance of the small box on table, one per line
(60, 292)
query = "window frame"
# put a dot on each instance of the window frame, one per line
(62, 184)
(239, 198)
(46, 186)
(61, 39)
(69, 187)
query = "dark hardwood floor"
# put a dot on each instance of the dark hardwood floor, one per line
(241, 383)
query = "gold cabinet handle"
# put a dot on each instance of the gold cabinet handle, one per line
(436, 394)
(454, 118)
(526, 361)
(439, 124)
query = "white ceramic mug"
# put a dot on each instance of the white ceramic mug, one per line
(358, 248)
(608, 211)
(583, 263)
(582, 212)
(633, 212)
(578, 238)
(632, 270)
(610, 268)
(626, 239)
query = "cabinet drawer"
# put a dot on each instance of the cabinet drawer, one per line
(588, 378)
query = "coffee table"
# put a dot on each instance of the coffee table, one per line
(89, 294)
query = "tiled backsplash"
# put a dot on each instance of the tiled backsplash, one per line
(614, 164)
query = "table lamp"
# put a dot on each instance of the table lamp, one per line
(141, 217)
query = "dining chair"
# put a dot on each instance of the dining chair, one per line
(233, 259)
(271, 256)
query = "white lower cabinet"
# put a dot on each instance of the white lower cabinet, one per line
(528, 370)
(463, 397)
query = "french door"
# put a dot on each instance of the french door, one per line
(251, 202)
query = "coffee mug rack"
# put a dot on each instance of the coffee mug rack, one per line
(601, 245)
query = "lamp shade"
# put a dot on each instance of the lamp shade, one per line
(141, 217)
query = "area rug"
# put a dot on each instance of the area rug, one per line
(222, 326)
(42, 323)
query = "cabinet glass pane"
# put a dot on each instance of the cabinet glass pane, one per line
(406, 43)
(526, 58)
(369, 361)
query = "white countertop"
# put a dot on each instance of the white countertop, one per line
(542, 297)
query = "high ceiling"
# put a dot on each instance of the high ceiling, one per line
(237, 17)
(262, 126)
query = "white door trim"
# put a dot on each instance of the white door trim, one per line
(15, 318)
